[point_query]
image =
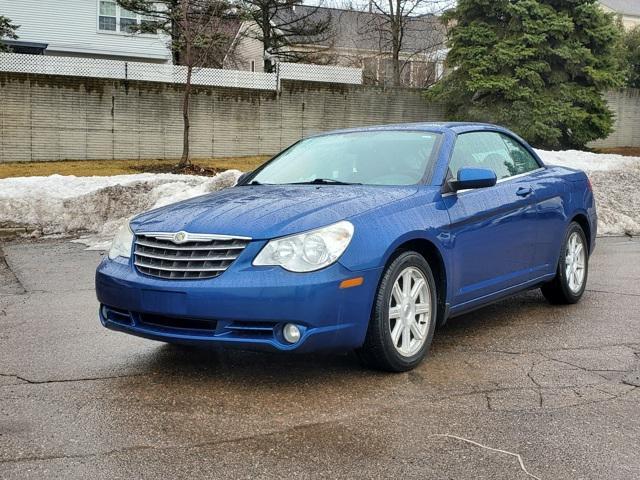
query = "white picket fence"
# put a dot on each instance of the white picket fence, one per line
(153, 72)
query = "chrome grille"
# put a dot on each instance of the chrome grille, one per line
(195, 256)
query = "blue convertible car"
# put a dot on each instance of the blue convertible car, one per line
(360, 239)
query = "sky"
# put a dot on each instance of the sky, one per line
(428, 5)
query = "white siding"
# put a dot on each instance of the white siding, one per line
(70, 27)
(246, 49)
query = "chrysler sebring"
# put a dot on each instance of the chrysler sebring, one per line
(363, 239)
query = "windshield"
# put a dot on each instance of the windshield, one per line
(371, 158)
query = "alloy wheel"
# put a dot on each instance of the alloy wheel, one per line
(409, 311)
(575, 260)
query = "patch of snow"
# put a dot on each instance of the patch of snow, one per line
(587, 161)
(70, 205)
(615, 180)
(617, 200)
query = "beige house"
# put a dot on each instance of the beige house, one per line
(357, 39)
(627, 10)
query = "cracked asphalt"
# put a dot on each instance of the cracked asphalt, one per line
(517, 390)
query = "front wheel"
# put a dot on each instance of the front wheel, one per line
(404, 316)
(571, 277)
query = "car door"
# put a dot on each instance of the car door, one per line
(492, 229)
(548, 188)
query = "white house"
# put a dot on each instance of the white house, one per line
(627, 10)
(82, 28)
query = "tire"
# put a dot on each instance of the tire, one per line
(385, 346)
(568, 286)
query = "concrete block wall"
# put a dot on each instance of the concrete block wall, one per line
(46, 118)
(59, 118)
(625, 105)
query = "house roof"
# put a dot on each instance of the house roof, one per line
(625, 7)
(353, 29)
(19, 46)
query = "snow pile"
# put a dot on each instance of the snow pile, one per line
(616, 185)
(587, 161)
(64, 205)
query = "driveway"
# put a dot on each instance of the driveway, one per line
(520, 389)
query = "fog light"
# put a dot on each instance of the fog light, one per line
(104, 312)
(291, 333)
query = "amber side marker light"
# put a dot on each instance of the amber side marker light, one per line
(352, 282)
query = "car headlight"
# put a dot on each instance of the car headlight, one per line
(121, 245)
(308, 251)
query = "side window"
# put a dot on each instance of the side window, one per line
(114, 18)
(107, 18)
(481, 150)
(521, 160)
(128, 20)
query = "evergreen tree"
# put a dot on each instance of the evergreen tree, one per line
(538, 67)
(7, 31)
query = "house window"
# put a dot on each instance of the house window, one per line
(128, 20)
(253, 65)
(107, 19)
(114, 18)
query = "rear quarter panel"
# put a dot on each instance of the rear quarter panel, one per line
(561, 194)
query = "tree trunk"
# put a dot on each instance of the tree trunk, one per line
(396, 41)
(185, 160)
(266, 40)
(396, 68)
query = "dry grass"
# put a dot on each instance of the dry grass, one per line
(626, 151)
(83, 168)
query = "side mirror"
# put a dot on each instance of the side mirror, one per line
(469, 177)
(243, 177)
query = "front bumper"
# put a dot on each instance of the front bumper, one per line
(245, 307)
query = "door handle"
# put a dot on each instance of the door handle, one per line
(524, 191)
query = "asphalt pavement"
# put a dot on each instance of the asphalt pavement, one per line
(520, 389)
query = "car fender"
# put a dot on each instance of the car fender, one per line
(380, 233)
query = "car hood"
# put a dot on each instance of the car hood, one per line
(267, 211)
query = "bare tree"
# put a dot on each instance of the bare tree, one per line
(406, 29)
(284, 23)
(196, 35)
(7, 30)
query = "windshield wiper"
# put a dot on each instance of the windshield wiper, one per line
(325, 181)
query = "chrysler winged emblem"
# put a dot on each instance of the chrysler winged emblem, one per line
(180, 237)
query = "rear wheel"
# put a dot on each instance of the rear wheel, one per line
(573, 266)
(404, 316)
